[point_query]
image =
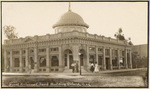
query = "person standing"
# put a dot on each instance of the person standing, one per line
(92, 67)
(96, 68)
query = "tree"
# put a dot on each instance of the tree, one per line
(9, 32)
(138, 61)
(119, 34)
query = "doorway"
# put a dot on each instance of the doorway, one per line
(68, 58)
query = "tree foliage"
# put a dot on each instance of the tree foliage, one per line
(9, 32)
(138, 61)
(119, 34)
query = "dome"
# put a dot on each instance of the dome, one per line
(70, 19)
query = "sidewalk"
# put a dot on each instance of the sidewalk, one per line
(71, 74)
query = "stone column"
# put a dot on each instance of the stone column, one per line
(68, 61)
(11, 61)
(118, 58)
(5, 61)
(104, 60)
(110, 57)
(47, 60)
(27, 61)
(21, 62)
(125, 58)
(130, 53)
(35, 59)
(87, 50)
(97, 54)
(60, 59)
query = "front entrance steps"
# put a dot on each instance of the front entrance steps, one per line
(70, 70)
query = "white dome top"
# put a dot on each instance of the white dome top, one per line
(70, 19)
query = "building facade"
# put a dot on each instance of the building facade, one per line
(70, 43)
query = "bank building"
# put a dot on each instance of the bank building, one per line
(70, 43)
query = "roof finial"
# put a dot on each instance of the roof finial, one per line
(69, 9)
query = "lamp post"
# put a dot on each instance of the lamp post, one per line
(80, 62)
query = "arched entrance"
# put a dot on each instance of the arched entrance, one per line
(68, 58)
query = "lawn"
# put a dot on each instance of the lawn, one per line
(112, 79)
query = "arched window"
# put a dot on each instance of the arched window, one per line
(54, 61)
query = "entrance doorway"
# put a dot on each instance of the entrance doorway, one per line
(68, 58)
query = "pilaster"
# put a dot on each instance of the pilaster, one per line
(104, 59)
(110, 57)
(27, 61)
(118, 58)
(5, 61)
(21, 64)
(130, 53)
(87, 54)
(11, 61)
(35, 59)
(125, 58)
(60, 59)
(47, 60)
(96, 54)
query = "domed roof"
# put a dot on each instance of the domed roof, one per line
(70, 19)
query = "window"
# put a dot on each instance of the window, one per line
(91, 48)
(91, 59)
(107, 52)
(116, 53)
(54, 61)
(114, 62)
(70, 52)
(15, 52)
(24, 62)
(123, 53)
(100, 49)
(23, 51)
(81, 59)
(8, 53)
(42, 50)
(54, 49)
(42, 61)
(31, 51)
(65, 59)
(16, 62)
(100, 58)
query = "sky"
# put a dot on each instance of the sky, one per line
(103, 18)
